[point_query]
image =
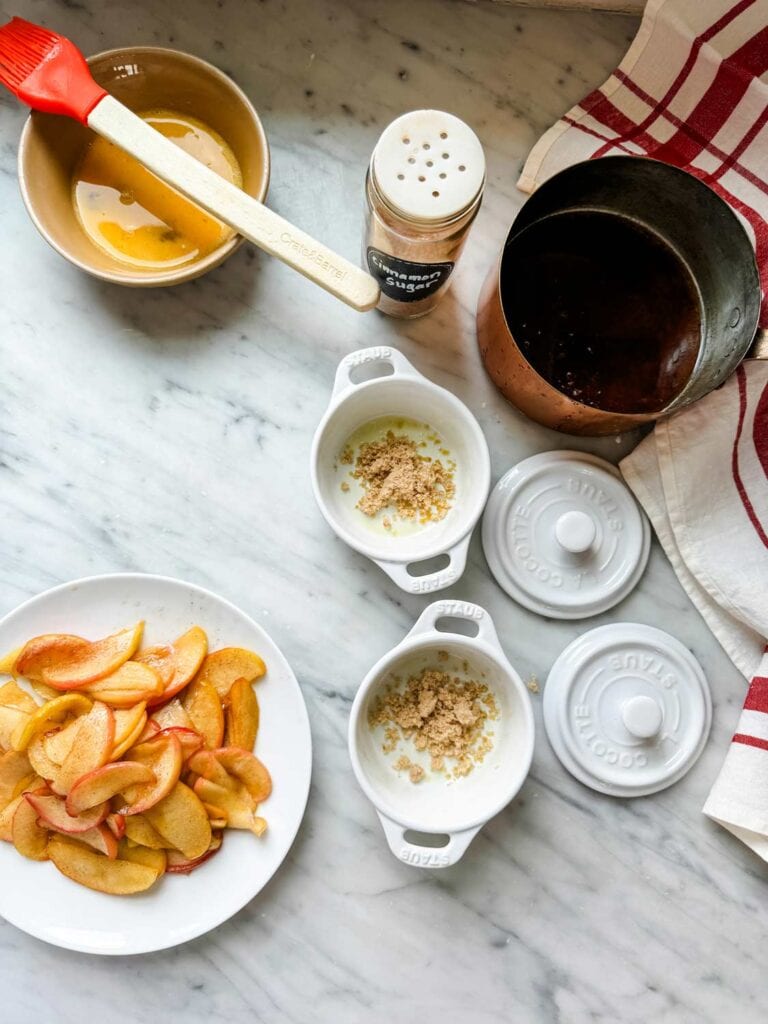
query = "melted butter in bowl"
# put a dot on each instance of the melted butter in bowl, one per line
(137, 219)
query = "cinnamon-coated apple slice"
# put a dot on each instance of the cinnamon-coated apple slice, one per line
(190, 740)
(52, 812)
(241, 715)
(185, 656)
(29, 837)
(16, 707)
(181, 819)
(45, 717)
(151, 858)
(91, 748)
(99, 659)
(95, 871)
(6, 819)
(42, 652)
(116, 824)
(172, 715)
(39, 759)
(128, 685)
(203, 705)
(238, 805)
(221, 668)
(129, 725)
(178, 864)
(164, 756)
(247, 769)
(101, 840)
(105, 782)
(139, 831)
(15, 772)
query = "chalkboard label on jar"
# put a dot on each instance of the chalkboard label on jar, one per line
(404, 280)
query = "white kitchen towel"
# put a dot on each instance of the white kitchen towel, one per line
(692, 91)
(702, 477)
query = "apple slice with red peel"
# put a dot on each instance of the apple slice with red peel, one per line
(90, 750)
(216, 815)
(15, 772)
(203, 705)
(137, 854)
(101, 840)
(139, 831)
(8, 662)
(164, 755)
(221, 668)
(181, 819)
(103, 783)
(238, 805)
(242, 715)
(206, 764)
(95, 661)
(172, 715)
(190, 740)
(116, 824)
(47, 651)
(128, 685)
(52, 812)
(151, 729)
(159, 658)
(48, 715)
(29, 838)
(247, 769)
(185, 655)
(95, 871)
(178, 864)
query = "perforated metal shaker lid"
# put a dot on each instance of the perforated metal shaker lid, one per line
(429, 165)
(564, 536)
(627, 709)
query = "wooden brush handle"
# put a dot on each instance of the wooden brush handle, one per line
(228, 203)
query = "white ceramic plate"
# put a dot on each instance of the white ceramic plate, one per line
(39, 900)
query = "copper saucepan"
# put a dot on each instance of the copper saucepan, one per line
(697, 235)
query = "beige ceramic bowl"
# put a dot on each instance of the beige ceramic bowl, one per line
(143, 78)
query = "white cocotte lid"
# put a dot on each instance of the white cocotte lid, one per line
(627, 709)
(564, 536)
(429, 165)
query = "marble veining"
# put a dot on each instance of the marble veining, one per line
(168, 431)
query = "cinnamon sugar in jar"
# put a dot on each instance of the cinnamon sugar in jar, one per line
(423, 190)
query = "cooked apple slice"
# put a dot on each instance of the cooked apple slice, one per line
(172, 715)
(128, 685)
(181, 819)
(105, 782)
(53, 712)
(242, 715)
(140, 832)
(223, 667)
(164, 756)
(29, 838)
(90, 750)
(159, 658)
(99, 659)
(8, 662)
(185, 656)
(216, 815)
(39, 759)
(58, 742)
(52, 812)
(151, 729)
(178, 864)
(238, 805)
(205, 763)
(101, 840)
(94, 870)
(203, 705)
(129, 725)
(15, 772)
(190, 740)
(42, 652)
(152, 858)
(116, 824)
(6, 819)
(16, 706)
(248, 769)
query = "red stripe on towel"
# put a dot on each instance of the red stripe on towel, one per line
(750, 741)
(757, 695)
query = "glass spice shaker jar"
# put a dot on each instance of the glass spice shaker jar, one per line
(423, 189)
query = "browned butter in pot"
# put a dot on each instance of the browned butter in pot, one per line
(603, 309)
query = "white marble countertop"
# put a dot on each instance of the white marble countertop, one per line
(168, 431)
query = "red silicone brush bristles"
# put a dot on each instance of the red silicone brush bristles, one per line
(23, 47)
(46, 71)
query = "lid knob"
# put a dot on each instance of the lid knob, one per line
(642, 716)
(575, 531)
